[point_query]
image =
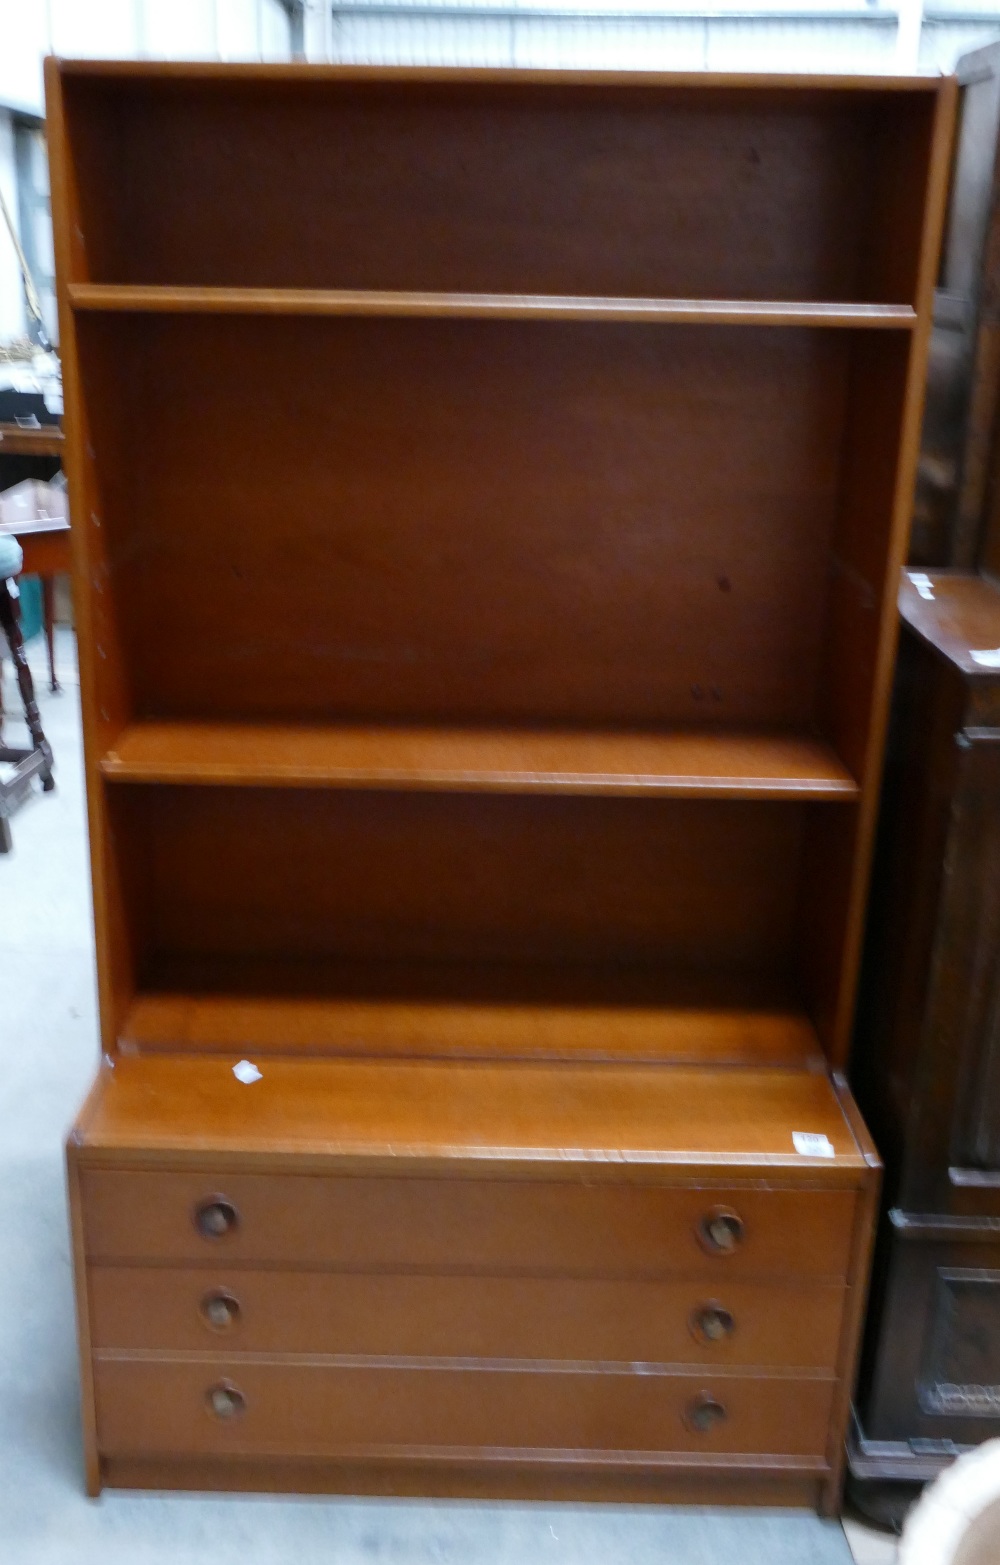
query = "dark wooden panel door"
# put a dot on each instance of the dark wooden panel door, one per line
(977, 1021)
(956, 1145)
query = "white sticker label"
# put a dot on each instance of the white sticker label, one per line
(923, 583)
(246, 1073)
(987, 659)
(808, 1144)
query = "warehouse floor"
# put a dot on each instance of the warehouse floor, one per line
(48, 1050)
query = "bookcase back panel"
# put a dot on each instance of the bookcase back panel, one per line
(563, 187)
(471, 520)
(254, 874)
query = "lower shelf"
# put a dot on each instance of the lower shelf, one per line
(453, 1010)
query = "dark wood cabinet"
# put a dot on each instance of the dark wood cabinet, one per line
(927, 1065)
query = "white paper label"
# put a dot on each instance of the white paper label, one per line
(988, 659)
(808, 1144)
(922, 582)
(246, 1072)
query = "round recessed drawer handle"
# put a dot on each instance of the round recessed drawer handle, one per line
(225, 1400)
(215, 1217)
(220, 1310)
(721, 1231)
(704, 1412)
(711, 1323)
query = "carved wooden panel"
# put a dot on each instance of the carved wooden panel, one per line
(970, 960)
(961, 1371)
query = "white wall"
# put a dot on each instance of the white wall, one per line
(12, 317)
(131, 29)
(644, 35)
(111, 29)
(848, 37)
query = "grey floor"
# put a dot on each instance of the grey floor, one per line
(48, 1049)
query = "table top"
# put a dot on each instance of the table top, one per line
(46, 440)
(956, 613)
(37, 524)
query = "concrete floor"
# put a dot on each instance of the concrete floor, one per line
(48, 1050)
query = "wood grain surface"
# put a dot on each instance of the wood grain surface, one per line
(682, 764)
(583, 1319)
(369, 301)
(146, 1407)
(454, 1010)
(553, 1116)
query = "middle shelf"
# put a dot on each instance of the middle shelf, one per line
(158, 299)
(683, 764)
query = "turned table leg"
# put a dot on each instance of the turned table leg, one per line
(48, 620)
(36, 762)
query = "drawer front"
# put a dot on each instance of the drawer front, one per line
(455, 1224)
(148, 1408)
(246, 1311)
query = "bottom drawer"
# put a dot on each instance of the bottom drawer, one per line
(238, 1408)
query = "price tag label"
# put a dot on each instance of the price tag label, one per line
(808, 1144)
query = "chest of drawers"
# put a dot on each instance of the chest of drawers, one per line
(313, 1277)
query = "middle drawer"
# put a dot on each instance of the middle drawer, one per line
(234, 1310)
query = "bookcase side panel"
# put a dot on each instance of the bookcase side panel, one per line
(99, 464)
(869, 542)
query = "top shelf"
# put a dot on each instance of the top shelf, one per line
(104, 297)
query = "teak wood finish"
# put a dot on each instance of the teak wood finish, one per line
(491, 492)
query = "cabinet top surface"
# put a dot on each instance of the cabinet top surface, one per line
(957, 614)
(297, 73)
(545, 1120)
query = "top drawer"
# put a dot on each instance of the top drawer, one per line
(467, 1224)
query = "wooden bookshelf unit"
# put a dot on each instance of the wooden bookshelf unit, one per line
(489, 494)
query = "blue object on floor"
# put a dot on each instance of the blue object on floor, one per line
(30, 606)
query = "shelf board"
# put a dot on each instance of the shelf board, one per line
(550, 1119)
(454, 1010)
(684, 764)
(345, 301)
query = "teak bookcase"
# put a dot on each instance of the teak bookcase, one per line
(489, 492)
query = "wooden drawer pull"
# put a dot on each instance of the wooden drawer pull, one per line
(711, 1322)
(721, 1231)
(225, 1400)
(220, 1310)
(216, 1217)
(704, 1412)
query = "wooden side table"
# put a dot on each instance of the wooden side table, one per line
(46, 440)
(35, 514)
(35, 761)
